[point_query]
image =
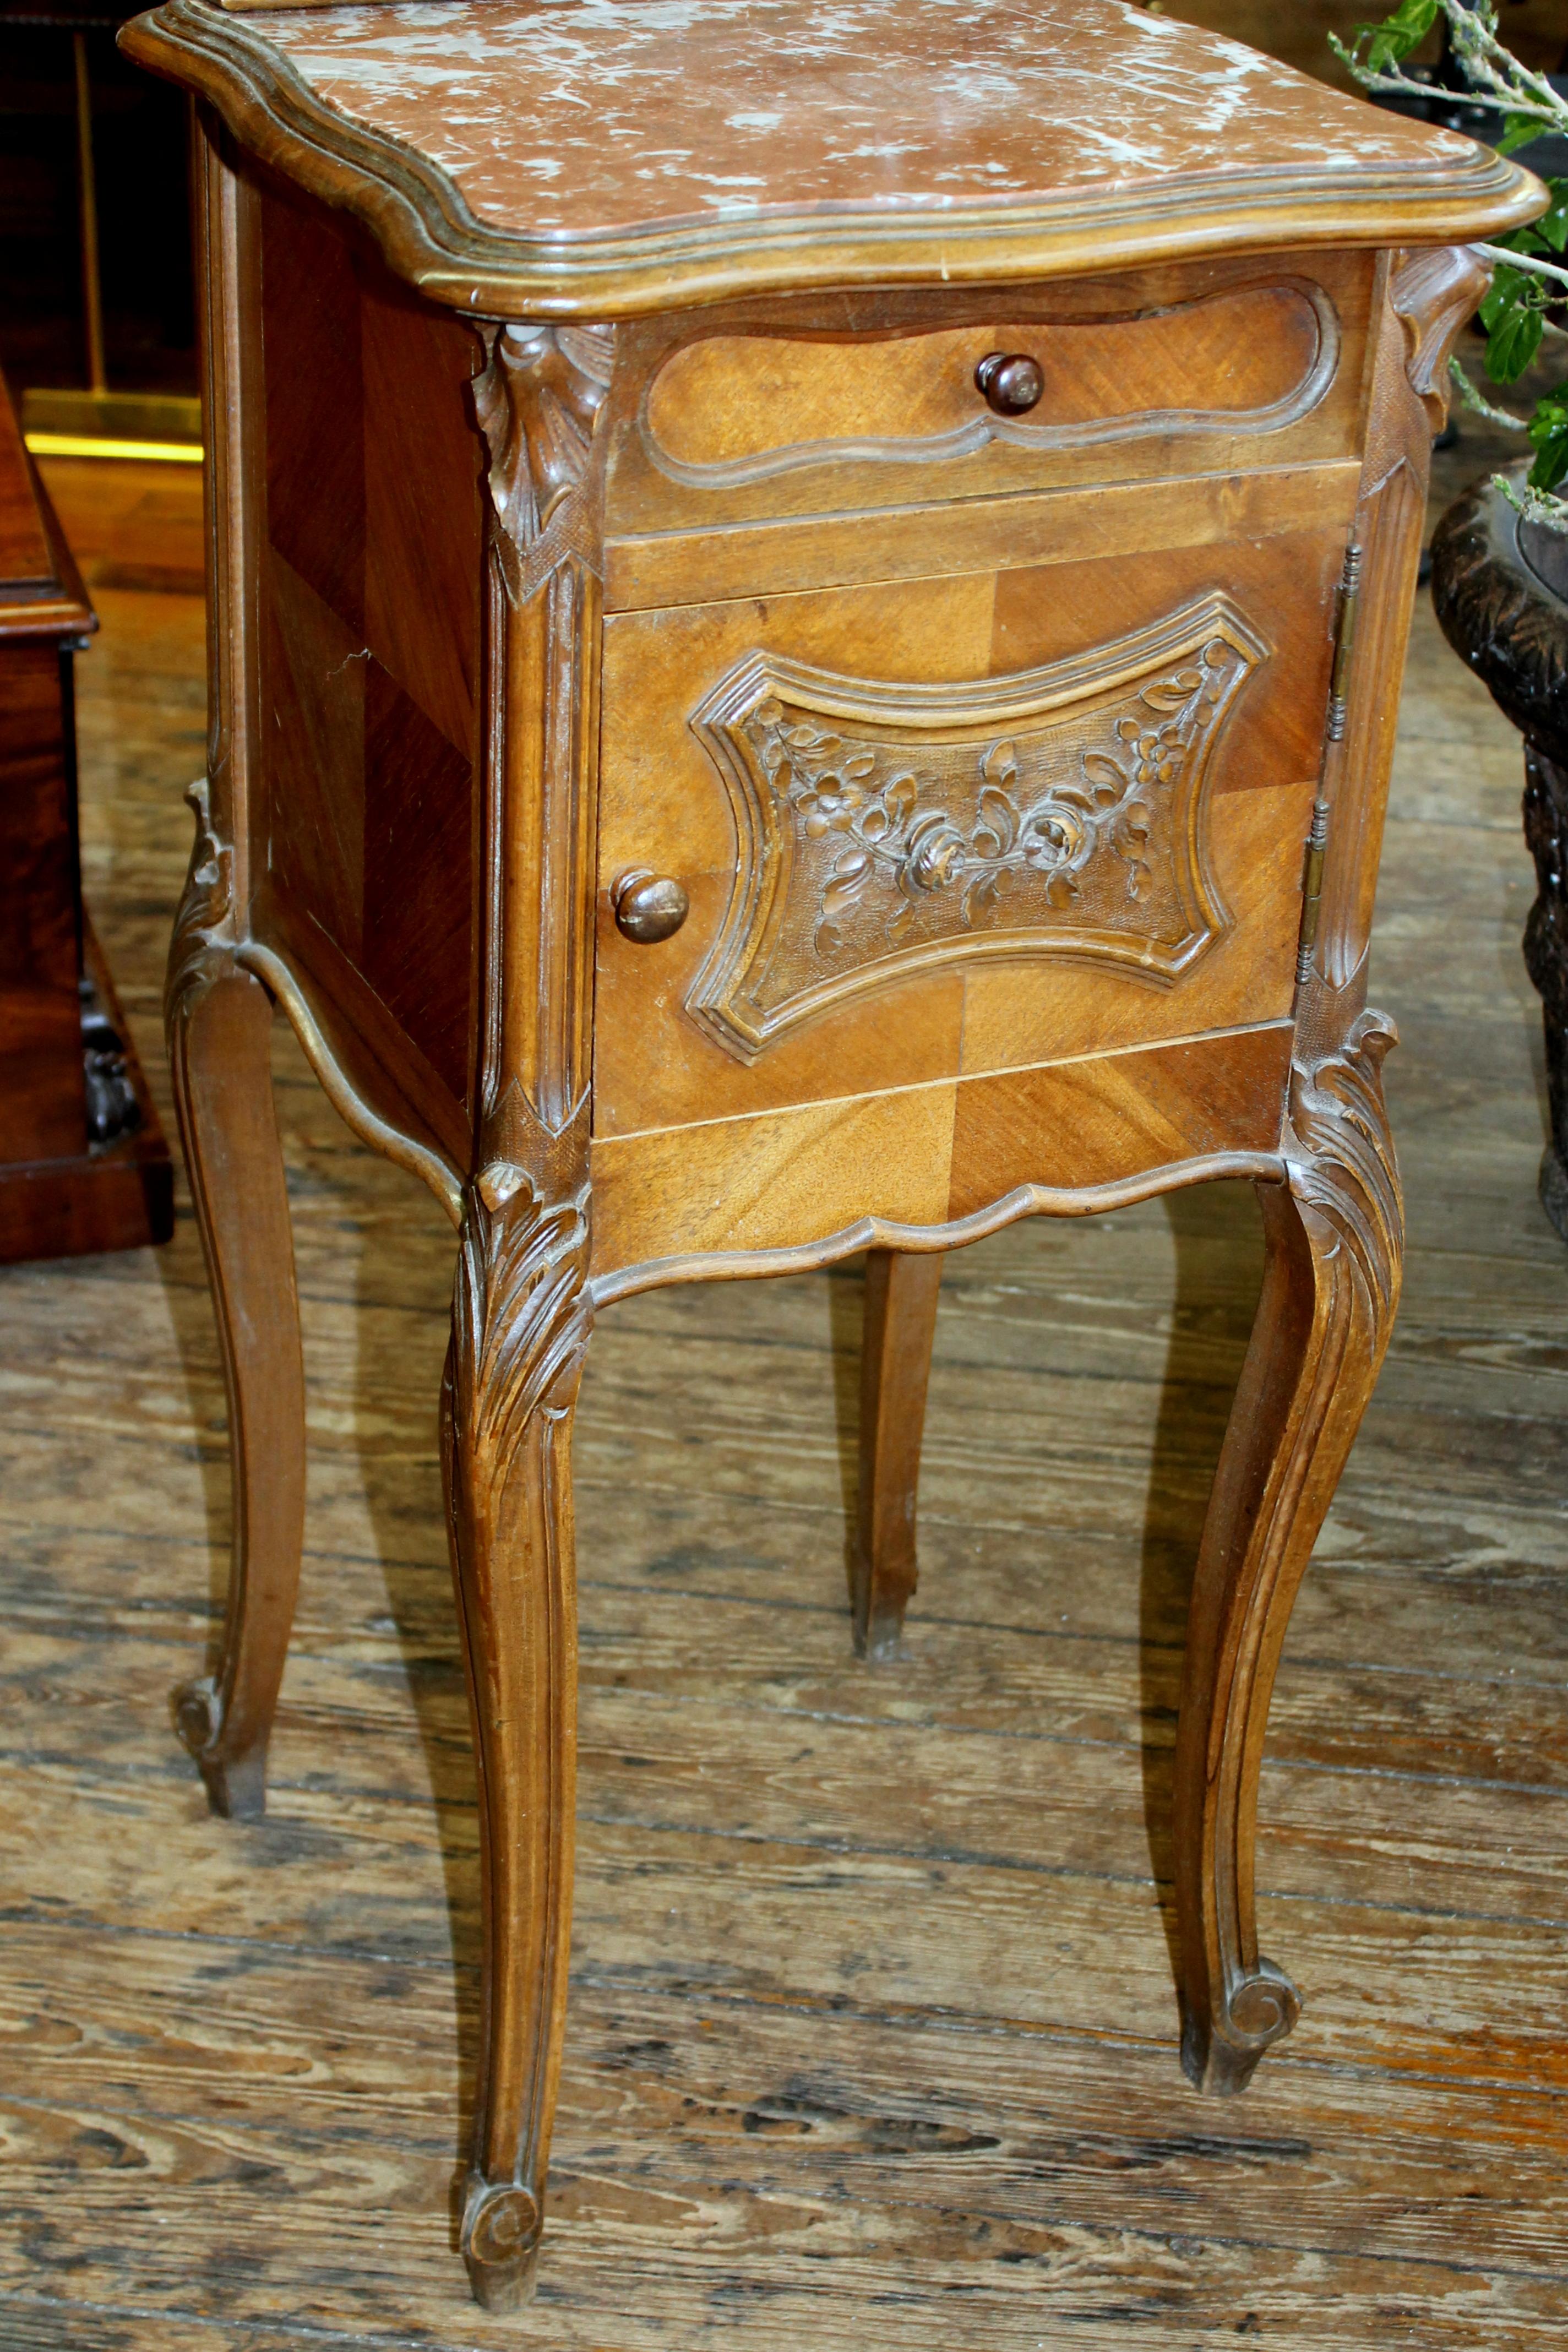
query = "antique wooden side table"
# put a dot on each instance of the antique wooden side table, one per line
(807, 608)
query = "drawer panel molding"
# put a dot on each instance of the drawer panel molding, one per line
(887, 828)
(729, 409)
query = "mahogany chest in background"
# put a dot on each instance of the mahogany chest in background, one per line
(83, 1166)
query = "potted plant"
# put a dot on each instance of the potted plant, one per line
(1499, 556)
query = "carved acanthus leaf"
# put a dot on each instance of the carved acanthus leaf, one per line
(1340, 1154)
(1435, 295)
(537, 401)
(204, 925)
(521, 1314)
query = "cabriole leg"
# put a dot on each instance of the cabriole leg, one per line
(901, 1288)
(219, 1024)
(519, 1330)
(1333, 1237)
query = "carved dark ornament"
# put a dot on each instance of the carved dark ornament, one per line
(1500, 587)
(113, 1109)
(1546, 959)
(204, 925)
(887, 827)
(537, 403)
(1503, 614)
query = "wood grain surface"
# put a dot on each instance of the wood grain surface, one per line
(873, 2035)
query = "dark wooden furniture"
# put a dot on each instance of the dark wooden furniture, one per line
(95, 265)
(82, 1164)
(1500, 588)
(723, 772)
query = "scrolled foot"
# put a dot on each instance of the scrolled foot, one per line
(502, 2228)
(1220, 2054)
(237, 1786)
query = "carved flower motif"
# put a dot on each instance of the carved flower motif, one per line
(836, 785)
(829, 803)
(1054, 835)
(936, 855)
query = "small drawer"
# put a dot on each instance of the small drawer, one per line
(863, 404)
(931, 828)
(728, 410)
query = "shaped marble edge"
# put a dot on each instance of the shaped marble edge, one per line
(429, 237)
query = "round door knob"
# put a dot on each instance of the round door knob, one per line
(649, 907)
(1011, 381)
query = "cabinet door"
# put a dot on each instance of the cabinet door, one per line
(940, 828)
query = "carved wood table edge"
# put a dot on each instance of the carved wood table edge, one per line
(794, 892)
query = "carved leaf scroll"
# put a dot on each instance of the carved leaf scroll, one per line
(521, 1314)
(204, 930)
(1434, 295)
(885, 827)
(537, 403)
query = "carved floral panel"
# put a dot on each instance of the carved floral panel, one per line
(885, 828)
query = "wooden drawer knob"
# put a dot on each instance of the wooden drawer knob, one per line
(1011, 381)
(649, 907)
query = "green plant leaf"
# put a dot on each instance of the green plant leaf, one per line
(1512, 344)
(1396, 36)
(1551, 412)
(1517, 130)
(1548, 429)
(1503, 295)
(1552, 465)
(1553, 226)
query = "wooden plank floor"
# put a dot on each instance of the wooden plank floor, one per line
(873, 2043)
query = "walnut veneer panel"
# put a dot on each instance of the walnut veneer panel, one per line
(603, 162)
(666, 804)
(369, 599)
(1129, 519)
(1108, 1119)
(790, 1178)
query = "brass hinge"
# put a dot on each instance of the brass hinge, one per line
(1318, 833)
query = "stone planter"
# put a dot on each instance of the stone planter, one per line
(1500, 587)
